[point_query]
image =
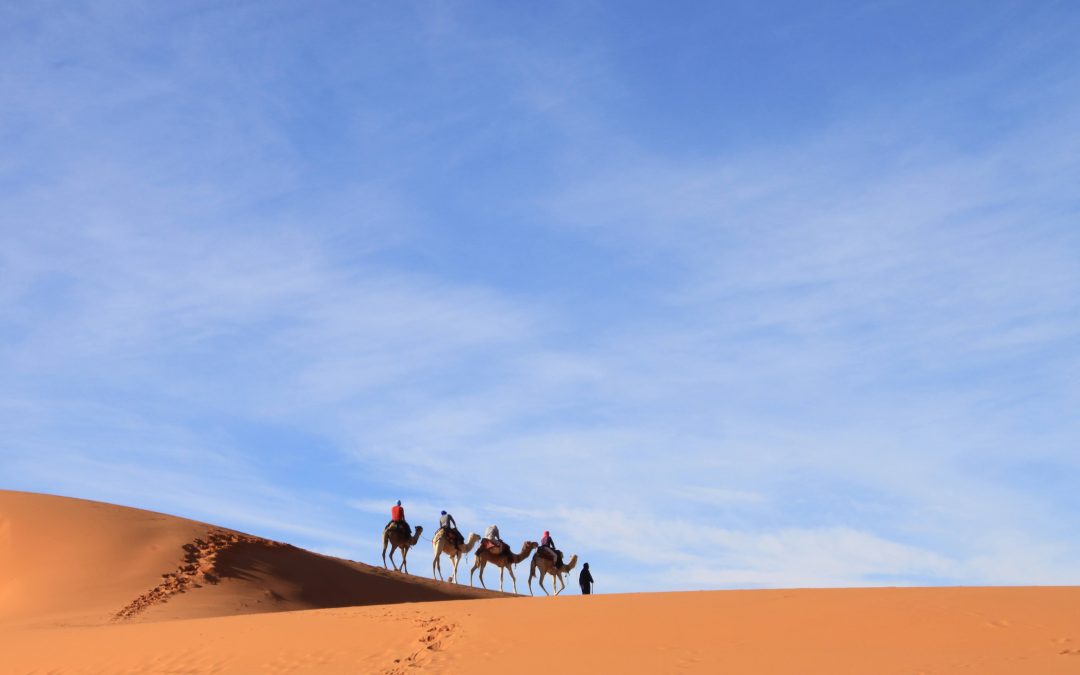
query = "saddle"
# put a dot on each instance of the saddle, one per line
(554, 555)
(453, 536)
(401, 526)
(492, 547)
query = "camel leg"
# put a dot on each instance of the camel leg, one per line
(542, 574)
(436, 567)
(513, 578)
(562, 584)
(453, 574)
(476, 564)
(502, 570)
(404, 560)
(384, 554)
(532, 571)
(479, 564)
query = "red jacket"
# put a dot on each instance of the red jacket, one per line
(397, 513)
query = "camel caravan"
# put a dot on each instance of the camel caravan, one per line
(490, 549)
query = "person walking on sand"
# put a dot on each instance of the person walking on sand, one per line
(585, 580)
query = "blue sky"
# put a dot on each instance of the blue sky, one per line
(724, 295)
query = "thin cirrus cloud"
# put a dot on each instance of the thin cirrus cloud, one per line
(277, 289)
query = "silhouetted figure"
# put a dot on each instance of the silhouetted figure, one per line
(585, 580)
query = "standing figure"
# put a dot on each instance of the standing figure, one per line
(585, 580)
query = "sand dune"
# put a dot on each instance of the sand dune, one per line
(74, 562)
(68, 569)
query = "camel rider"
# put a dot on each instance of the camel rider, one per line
(397, 519)
(492, 536)
(449, 526)
(547, 542)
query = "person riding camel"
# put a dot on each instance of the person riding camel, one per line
(449, 526)
(493, 542)
(397, 519)
(547, 542)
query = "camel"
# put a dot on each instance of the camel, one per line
(396, 539)
(505, 561)
(441, 544)
(547, 566)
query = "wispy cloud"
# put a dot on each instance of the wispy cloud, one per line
(281, 288)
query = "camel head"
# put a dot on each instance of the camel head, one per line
(471, 541)
(571, 564)
(416, 534)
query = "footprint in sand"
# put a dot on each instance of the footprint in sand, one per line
(431, 640)
(197, 565)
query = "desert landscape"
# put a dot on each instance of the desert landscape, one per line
(87, 587)
(752, 327)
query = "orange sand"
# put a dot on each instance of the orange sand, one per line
(67, 567)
